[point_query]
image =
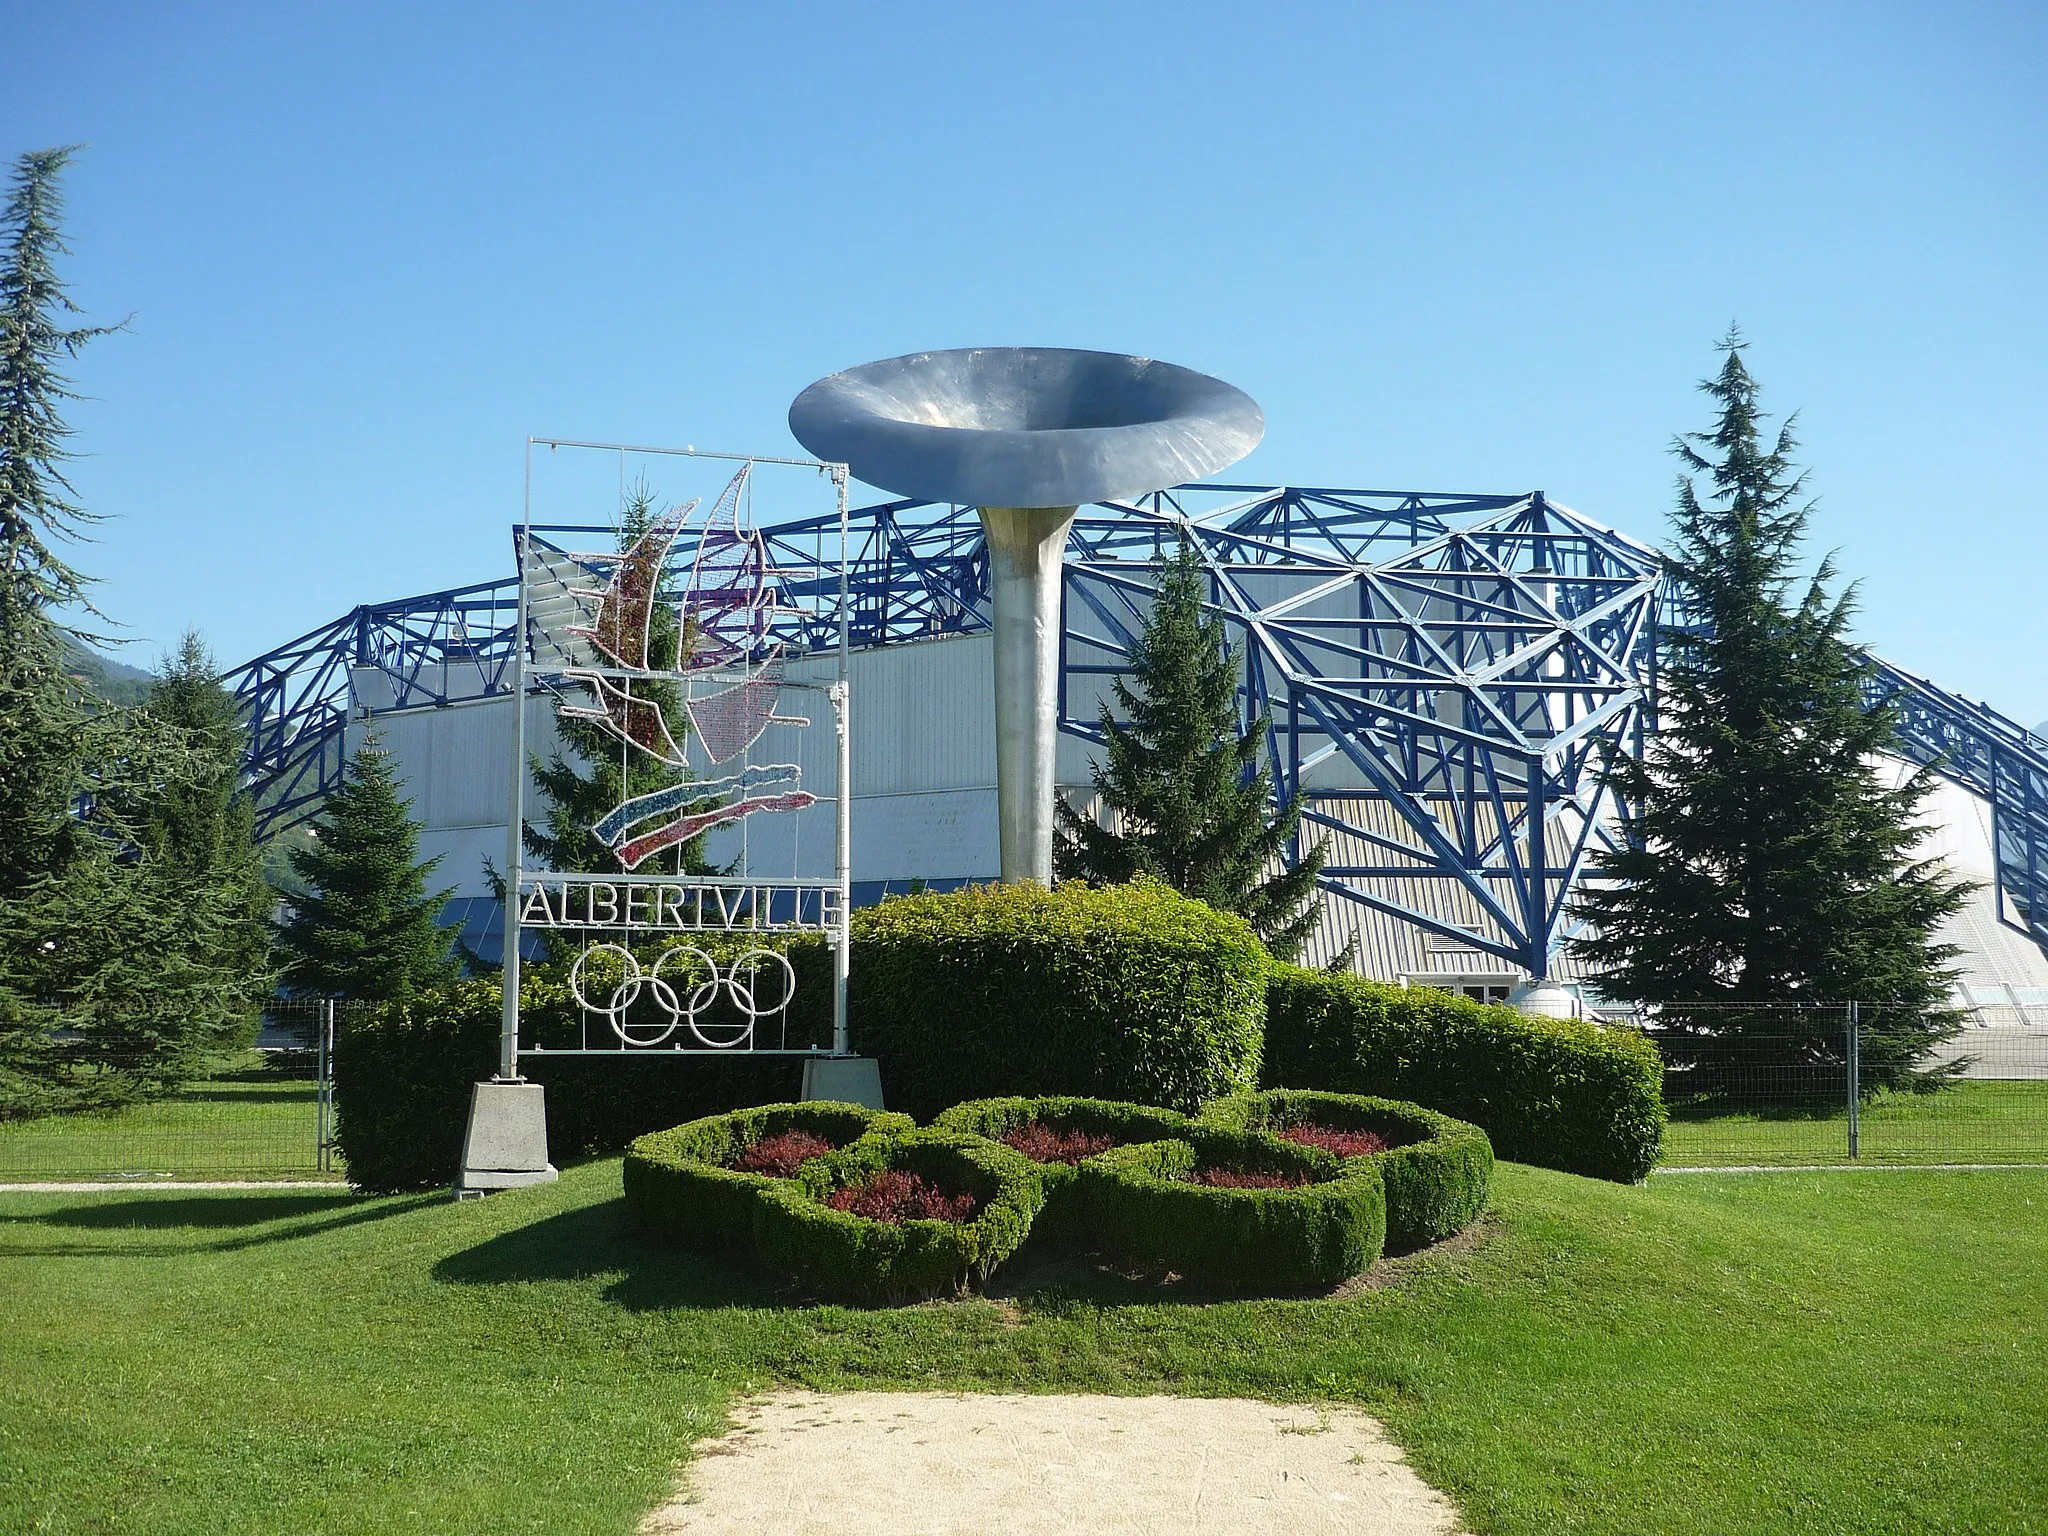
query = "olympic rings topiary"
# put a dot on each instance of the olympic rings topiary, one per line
(1144, 1205)
(1063, 1221)
(1437, 1170)
(858, 1258)
(681, 1185)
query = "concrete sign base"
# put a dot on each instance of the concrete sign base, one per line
(844, 1080)
(507, 1143)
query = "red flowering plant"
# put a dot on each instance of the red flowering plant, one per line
(1436, 1170)
(1044, 1143)
(698, 1184)
(779, 1157)
(1061, 1135)
(1249, 1178)
(896, 1195)
(1342, 1143)
(894, 1217)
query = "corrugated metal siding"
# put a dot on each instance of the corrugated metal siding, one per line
(454, 763)
(923, 716)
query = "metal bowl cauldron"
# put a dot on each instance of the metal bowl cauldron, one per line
(1025, 426)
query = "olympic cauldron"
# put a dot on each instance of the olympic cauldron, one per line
(1025, 435)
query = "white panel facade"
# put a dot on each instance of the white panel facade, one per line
(924, 800)
(454, 762)
(924, 806)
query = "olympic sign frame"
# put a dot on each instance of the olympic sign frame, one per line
(714, 1004)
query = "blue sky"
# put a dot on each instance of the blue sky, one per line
(369, 248)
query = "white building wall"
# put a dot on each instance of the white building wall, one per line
(924, 801)
(924, 774)
(924, 805)
(454, 763)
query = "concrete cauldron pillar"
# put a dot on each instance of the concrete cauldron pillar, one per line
(1026, 550)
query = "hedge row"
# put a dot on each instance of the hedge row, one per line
(1437, 1171)
(403, 1072)
(1123, 992)
(1558, 1092)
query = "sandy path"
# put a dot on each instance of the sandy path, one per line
(926, 1464)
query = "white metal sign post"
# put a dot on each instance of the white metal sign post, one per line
(675, 963)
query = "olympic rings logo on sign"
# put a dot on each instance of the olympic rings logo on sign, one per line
(684, 983)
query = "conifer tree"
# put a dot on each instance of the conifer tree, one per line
(366, 926)
(1770, 857)
(118, 972)
(197, 829)
(597, 773)
(43, 724)
(1187, 800)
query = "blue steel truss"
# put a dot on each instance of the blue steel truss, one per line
(1438, 691)
(424, 650)
(1995, 759)
(1440, 674)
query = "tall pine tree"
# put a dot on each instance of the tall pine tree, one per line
(115, 972)
(365, 926)
(1770, 858)
(43, 713)
(1188, 802)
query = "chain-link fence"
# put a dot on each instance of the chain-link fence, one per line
(262, 1113)
(1849, 1082)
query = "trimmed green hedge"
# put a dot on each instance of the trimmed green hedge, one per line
(1142, 1209)
(836, 1253)
(680, 1183)
(1064, 1219)
(1437, 1170)
(402, 1077)
(1123, 992)
(1557, 1092)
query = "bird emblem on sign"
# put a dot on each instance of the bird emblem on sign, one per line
(727, 666)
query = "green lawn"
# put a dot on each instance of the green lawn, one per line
(1969, 1122)
(240, 1125)
(1799, 1353)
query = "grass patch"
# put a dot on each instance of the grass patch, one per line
(1803, 1353)
(1976, 1121)
(242, 1125)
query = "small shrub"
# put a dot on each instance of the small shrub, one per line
(1144, 1205)
(688, 1185)
(1562, 1093)
(779, 1157)
(890, 1194)
(1126, 992)
(1060, 1120)
(898, 1256)
(1437, 1171)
